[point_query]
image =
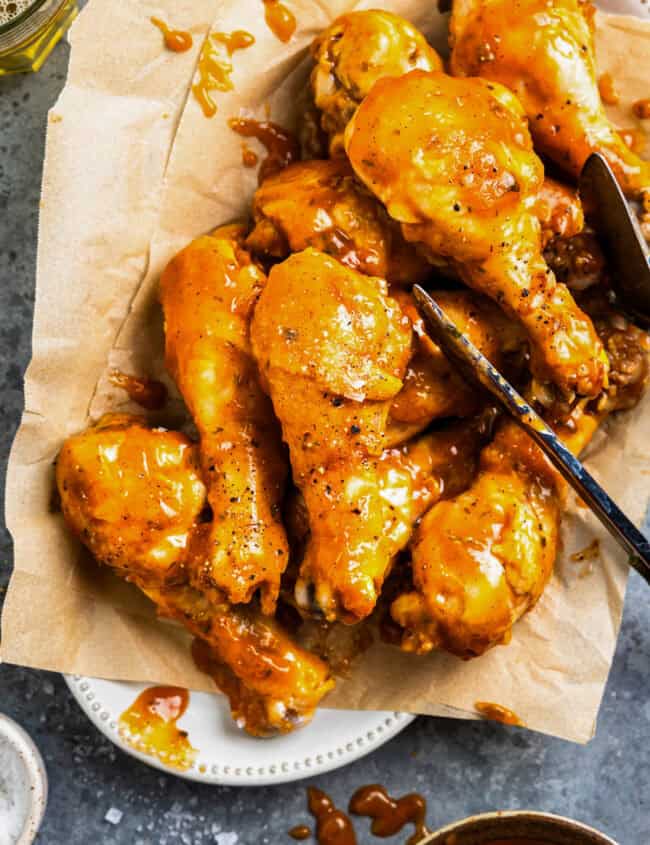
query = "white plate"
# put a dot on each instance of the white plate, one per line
(229, 756)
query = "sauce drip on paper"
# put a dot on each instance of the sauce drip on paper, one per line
(390, 815)
(176, 40)
(281, 146)
(498, 713)
(237, 40)
(607, 89)
(642, 109)
(149, 725)
(588, 553)
(149, 393)
(280, 20)
(215, 68)
(248, 157)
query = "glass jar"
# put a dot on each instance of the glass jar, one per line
(29, 29)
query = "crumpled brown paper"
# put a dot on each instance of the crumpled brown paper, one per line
(134, 171)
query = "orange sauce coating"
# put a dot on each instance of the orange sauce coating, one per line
(176, 40)
(299, 832)
(498, 713)
(390, 815)
(280, 20)
(215, 68)
(282, 147)
(642, 108)
(149, 725)
(149, 393)
(608, 92)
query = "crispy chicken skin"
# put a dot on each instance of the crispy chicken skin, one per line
(544, 53)
(332, 348)
(321, 204)
(208, 292)
(432, 386)
(413, 476)
(133, 496)
(482, 559)
(354, 52)
(559, 210)
(452, 161)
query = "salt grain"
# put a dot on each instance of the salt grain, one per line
(113, 816)
(226, 839)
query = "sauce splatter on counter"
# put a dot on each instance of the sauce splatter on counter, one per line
(147, 392)
(389, 815)
(215, 67)
(150, 726)
(498, 713)
(608, 92)
(280, 20)
(281, 145)
(300, 832)
(333, 826)
(176, 40)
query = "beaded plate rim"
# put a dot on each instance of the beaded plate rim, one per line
(385, 726)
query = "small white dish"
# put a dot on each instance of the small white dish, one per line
(227, 755)
(23, 785)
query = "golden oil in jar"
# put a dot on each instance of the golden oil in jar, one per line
(29, 29)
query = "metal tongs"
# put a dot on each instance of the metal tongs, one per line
(630, 263)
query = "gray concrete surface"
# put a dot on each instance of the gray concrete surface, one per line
(461, 768)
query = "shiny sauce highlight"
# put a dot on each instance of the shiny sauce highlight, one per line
(280, 20)
(281, 146)
(147, 392)
(215, 66)
(176, 40)
(390, 815)
(150, 725)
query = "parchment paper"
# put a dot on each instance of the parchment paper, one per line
(126, 185)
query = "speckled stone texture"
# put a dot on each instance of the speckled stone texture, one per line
(461, 768)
